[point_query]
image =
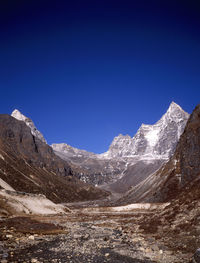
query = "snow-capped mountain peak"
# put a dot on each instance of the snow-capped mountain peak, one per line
(19, 116)
(174, 106)
(155, 141)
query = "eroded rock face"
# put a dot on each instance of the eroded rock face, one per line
(28, 164)
(188, 149)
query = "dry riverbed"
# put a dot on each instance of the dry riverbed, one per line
(83, 235)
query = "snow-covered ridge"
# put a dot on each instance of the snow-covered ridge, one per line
(152, 141)
(19, 116)
(71, 151)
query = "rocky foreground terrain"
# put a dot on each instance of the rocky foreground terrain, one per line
(100, 235)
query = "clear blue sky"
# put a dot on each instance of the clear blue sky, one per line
(85, 71)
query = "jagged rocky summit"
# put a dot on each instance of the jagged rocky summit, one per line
(153, 141)
(19, 116)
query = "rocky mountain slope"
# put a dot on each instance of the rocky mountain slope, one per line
(28, 164)
(129, 160)
(19, 116)
(178, 174)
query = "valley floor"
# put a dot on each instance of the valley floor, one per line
(86, 236)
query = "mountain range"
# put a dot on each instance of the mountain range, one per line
(158, 166)
(129, 160)
(127, 170)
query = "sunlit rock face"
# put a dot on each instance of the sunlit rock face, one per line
(158, 140)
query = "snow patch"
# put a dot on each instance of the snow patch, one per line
(152, 137)
(141, 206)
(127, 208)
(18, 115)
(1, 156)
(6, 186)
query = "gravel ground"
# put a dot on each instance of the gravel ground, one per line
(82, 237)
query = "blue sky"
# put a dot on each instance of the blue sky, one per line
(88, 70)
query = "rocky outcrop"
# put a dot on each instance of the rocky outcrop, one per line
(19, 116)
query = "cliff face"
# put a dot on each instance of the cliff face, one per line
(19, 116)
(28, 164)
(185, 161)
(188, 149)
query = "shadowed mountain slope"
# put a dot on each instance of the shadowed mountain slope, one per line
(28, 164)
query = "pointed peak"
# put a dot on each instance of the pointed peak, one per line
(175, 112)
(18, 115)
(175, 108)
(123, 136)
(15, 111)
(174, 105)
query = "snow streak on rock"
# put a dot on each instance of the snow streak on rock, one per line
(19, 116)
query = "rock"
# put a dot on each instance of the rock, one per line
(106, 238)
(148, 250)
(77, 236)
(31, 237)
(197, 256)
(9, 236)
(107, 255)
(85, 237)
